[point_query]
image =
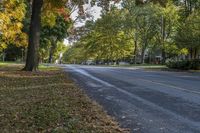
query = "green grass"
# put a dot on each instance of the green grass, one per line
(149, 66)
(146, 66)
(48, 101)
(7, 63)
(194, 71)
(43, 67)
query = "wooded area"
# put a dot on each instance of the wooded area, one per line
(133, 31)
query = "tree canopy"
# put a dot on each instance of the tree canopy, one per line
(142, 31)
(135, 31)
(11, 23)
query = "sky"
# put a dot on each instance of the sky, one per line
(95, 11)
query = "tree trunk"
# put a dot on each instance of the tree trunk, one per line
(135, 53)
(191, 53)
(163, 22)
(52, 49)
(142, 55)
(51, 55)
(143, 50)
(195, 53)
(34, 37)
(163, 56)
(4, 55)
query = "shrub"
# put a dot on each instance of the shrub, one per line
(195, 64)
(183, 64)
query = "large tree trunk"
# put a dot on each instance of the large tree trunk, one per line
(34, 37)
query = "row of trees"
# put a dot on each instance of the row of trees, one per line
(19, 31)
(39, 25)
(140, 29)
(129, 31)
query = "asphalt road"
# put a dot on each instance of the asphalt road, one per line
(144, 101)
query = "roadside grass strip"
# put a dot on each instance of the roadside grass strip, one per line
(48, 101)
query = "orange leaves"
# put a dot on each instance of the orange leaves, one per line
(56, 3)
(64, 13)
(53, 8)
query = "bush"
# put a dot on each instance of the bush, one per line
(183, 64)
(195, 64)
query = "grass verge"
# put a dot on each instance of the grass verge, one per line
(48, 101)
(146, 66)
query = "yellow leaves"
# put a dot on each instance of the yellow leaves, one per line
(10, 31)
(4, 19)
(19, 14)
(2, 46)
(11, 18)
(19, 25)
(48, 18)
(14, 9)
(21, 40)
(184, 51)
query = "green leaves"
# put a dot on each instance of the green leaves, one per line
(59, 31)
(105, 40)
(139, 28)
(189, 32)
(56, 3)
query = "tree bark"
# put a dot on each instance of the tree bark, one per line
(143, 50)
(50, 55)
(163, 56)
(191, 53)
(52, 49)
(143, 55)
(135, 52)
(34, 37)
(4, 55)
(163, 23)
(195, 53)
(136, 48)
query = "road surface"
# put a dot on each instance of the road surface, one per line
(144, 101)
